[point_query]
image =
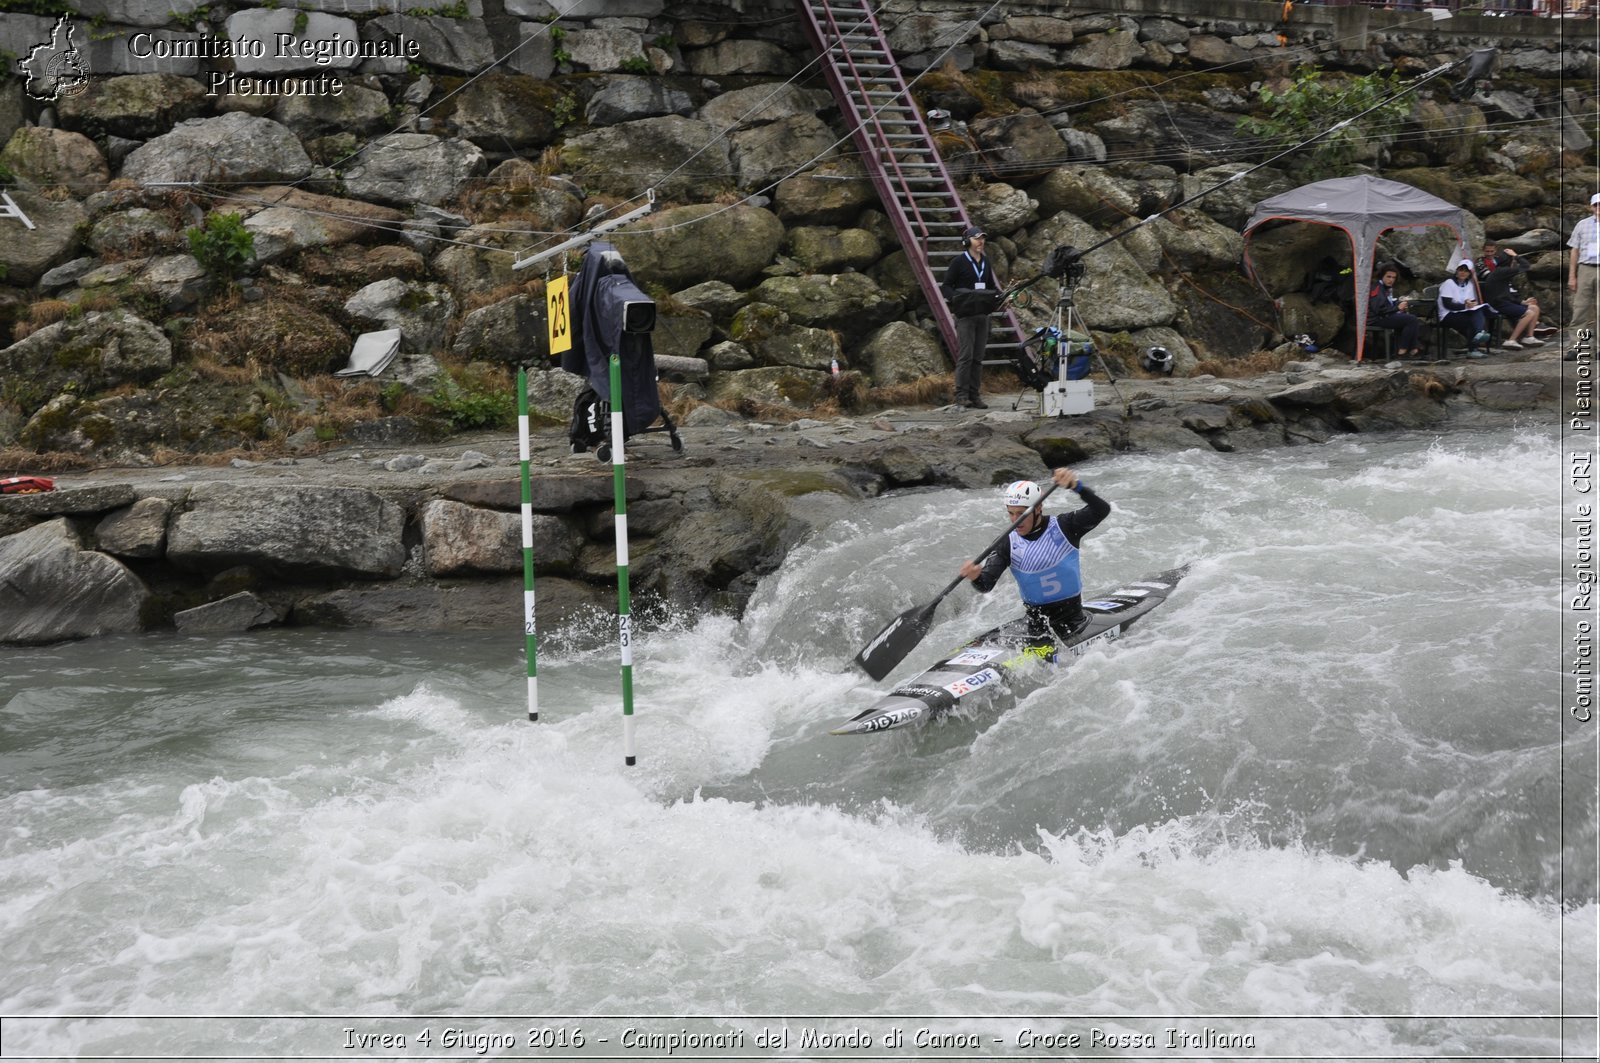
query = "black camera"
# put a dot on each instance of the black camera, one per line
(1065, 264)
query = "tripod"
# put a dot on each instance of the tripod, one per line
(1077, 342)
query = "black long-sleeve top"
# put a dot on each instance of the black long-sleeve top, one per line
(1497, 285)
(961, 278)
(1074, 526)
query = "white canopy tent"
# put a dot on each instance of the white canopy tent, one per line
(1364, 208)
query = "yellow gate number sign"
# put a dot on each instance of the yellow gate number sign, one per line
(560, 315)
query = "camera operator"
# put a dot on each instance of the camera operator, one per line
(973, 293)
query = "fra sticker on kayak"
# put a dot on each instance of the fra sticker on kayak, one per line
(982, 656)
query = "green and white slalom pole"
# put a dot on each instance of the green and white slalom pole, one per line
(624, 616)
(530, 638)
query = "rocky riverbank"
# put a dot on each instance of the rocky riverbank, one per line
(203, 258)
(430, 538)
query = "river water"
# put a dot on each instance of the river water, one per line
(1325, 799)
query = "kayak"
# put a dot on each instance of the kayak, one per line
(995, 656)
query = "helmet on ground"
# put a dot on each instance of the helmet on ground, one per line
(1024, 493)
(1157, 360)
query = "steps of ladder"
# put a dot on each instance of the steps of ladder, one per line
(925, 208)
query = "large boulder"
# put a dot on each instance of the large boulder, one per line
(517, 189)
(1103, 51)
(732, 57)
(460, 540)
(899, 353)
(52, 589)
(289, 32)
(1215, 53)
(1023, 145)
(135, 12)
(604, 47)
(139, 530)
(1231, 193)
(685, 245)
(421, 312)
(358, 110)
(834, 193)
(127, 233)
(658, 153)
(459, 44)
(134, 106)
(1000, 208)
(727, 547)
(628, 99)
(680, 333)
(848, 303)
(767, 153)
(506, 112)
(771, 385)
(406, 168)
(758, 104)
(511, 330)
(824, 249)
(1084, 191)
(237, 612)
(1116, 294)
(28, 254)
(1454, 134)
(295, 533)
(225, 150)
(1187, 135)
(298, 220)
(87, 354)
(479, 260)
(55, 158)
(1193, 241)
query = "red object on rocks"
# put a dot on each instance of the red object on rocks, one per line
(26, 485)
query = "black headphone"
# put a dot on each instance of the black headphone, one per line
(969, 236)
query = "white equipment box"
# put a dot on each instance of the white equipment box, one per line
(1066, 398)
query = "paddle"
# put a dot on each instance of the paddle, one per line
(879, 657)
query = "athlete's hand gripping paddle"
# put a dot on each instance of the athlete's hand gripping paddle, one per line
(879, 657)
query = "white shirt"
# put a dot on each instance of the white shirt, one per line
(1465, 294)
(1586, 238)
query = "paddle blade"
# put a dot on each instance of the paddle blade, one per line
(879, 657)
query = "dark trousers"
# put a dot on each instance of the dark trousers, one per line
(1063, 618)
(972, 339)
(1467, 322)
(1406, 325)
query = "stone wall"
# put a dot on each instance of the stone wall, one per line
(406, 199)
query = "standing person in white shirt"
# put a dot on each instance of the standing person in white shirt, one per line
(1583, 276)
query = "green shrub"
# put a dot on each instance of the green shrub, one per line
(470, 398)
(1314, 104)
(223, 245)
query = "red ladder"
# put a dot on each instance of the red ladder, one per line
(898, 152)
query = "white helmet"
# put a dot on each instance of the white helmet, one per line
(1024, 493)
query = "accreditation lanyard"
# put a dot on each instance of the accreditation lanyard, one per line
(978, 268)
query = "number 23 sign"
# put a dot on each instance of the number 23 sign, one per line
(559, 314)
